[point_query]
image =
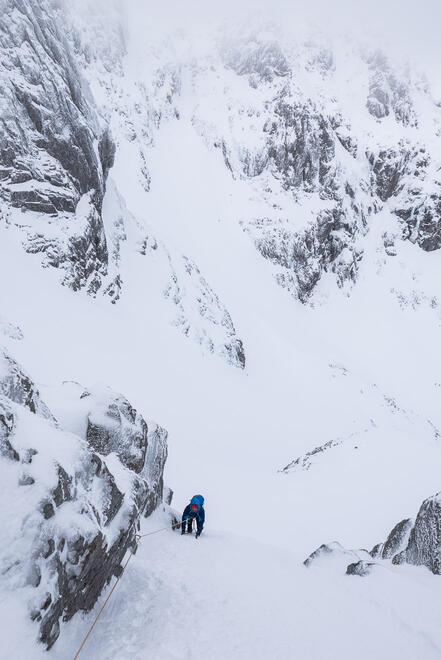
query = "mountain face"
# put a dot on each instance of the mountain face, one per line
(155, 191)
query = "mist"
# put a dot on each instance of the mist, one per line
(404, 29)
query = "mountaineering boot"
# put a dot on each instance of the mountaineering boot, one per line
(183, 532)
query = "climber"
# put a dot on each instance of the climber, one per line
(194, 511)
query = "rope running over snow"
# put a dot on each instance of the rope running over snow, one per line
(132, 552)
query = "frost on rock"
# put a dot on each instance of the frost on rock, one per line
(54, 151)
(10, 330)
(197, 310)
(85, 494)
(201, 315)
(389, 91)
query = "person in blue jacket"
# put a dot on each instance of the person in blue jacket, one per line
(194, 511)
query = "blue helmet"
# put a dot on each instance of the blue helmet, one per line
(198, 500)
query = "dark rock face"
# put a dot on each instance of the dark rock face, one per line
(53, 149)
(49, 109)
(304, 256)
(424, 547)
(7, 423)
(85, 518)
(402, 176)
(361, 568)
(416, 542)
(301, 144)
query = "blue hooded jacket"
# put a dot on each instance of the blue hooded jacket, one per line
(198, 515)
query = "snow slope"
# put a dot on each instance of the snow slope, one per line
(228, 596)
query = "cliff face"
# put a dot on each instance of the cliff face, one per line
(76, 509)
(55, 152)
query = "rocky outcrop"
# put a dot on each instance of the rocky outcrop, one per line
(424, 546)
(397, 539)
(259, 59)
(416, 542)
(336, 555)
(361, 568)
(18, 387)
(114, 426)
(388, 91)
(86, 494)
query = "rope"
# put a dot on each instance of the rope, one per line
(132, 552)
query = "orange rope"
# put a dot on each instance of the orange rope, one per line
(132, 552)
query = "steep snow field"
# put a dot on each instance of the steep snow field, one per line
(228, 596)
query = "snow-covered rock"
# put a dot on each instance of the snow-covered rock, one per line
(416, 542)
(77, 498)
(17, 386)
(395, 542)
(361, 568)
(334, 553)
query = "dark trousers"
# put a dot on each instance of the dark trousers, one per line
(187, 524)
